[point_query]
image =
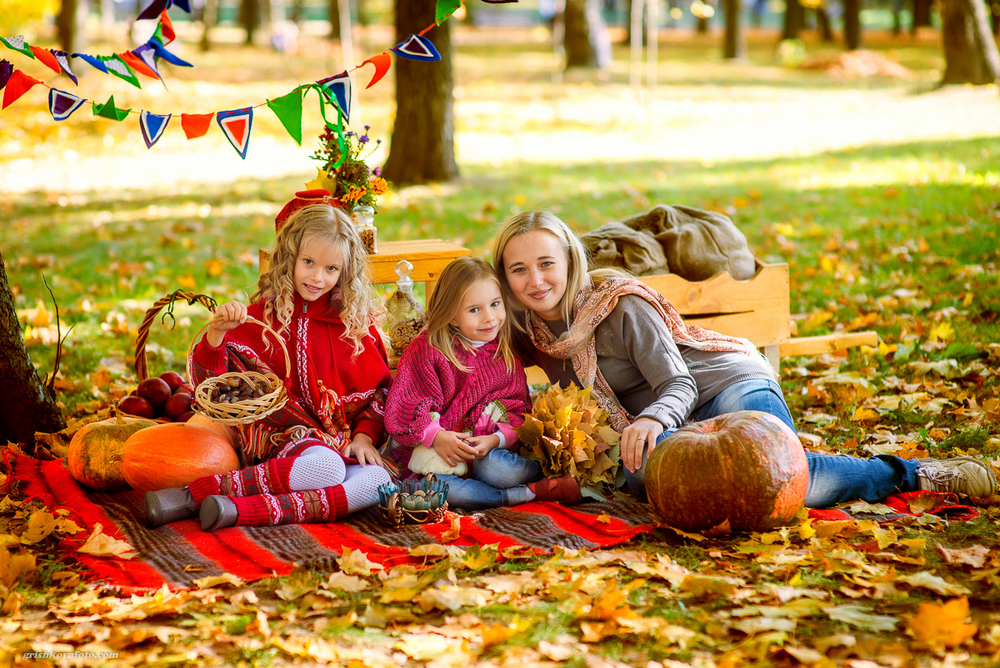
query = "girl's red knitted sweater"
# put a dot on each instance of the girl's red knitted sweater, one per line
(329, 389)
(429, 394)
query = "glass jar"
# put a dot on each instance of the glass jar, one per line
(364, 216)
(404, 316)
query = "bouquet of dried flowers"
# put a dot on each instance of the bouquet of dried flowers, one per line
(352, 181)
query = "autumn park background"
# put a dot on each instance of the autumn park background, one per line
(868, 159)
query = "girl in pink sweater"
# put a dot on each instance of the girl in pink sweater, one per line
(315, 459)
(458, 394)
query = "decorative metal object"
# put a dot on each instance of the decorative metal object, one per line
(422, 501)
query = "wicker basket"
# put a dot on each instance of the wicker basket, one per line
(273, 390)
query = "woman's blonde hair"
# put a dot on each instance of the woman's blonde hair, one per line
(576, 256)
(333, 227)
(457, 279)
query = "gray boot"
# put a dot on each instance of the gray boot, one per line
(169, 505)
(218, 512)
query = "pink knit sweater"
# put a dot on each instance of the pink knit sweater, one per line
(426, 382)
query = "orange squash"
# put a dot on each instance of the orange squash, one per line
(173, 454)
(746, 468)
(224, 430)
(95, 452)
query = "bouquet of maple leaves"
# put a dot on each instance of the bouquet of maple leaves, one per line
(567, 432)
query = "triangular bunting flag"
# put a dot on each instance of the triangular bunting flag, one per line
(417, 48)
(288, 109)
(183, 4)
(6, 69)
(382, 62)
(338, 91)
(63, 104)
(196, 125)
(93, 61)
(18, 84)
(163, 54)
(120, 69)
(108, 110)
(46, 58)
(152, 126)
(165, 30)
(236, 125)
(136, 64)
(446, 8)
(18, 44)
(63, 59)
(154, 9)
(147, 57)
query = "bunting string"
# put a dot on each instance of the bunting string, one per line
(236, 124)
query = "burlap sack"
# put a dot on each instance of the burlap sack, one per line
(698, 244)
(616, 245)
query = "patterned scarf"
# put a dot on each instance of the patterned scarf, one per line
(591, 307)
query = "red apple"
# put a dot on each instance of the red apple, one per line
(134, 405)
(155, 391)
(178, 404)
(173, 379)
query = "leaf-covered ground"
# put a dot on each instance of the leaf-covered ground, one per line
(882, 194)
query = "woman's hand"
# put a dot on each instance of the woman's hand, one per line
(453, 447)
(362, 448)
(635, 437)
(228, 316)
(483, 444)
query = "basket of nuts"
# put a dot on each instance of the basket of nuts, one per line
(241, 397)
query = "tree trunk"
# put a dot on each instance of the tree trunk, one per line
(794, 17)
(735, 44)
(921, 14)
(209, 17)
(70, 25)
(586, 39)
(970, 52)
(422, 148)
(333, 14)
(823, 23)
(852, 24)
(28, 406)
(250, 18)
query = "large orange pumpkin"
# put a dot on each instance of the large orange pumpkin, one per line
(95, 452)
(173, 454)
(224, 430)
(746, 467)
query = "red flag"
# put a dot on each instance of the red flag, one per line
(196, 125)
(136, 64)
(46, 57)
(166, 28)
(18, 84)
(382, 63)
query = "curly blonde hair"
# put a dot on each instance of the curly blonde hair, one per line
(276, 286)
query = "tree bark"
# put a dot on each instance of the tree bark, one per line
(970, 52)
(209, 17)
(852, 24)
(823, 23)
(586, 39)
(921, 14)
(422, 148)
(250, 18)
(28, 406)
(70, 25)
(735, 43)
(333, 14)
(794, 18)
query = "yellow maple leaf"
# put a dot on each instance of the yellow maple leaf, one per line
(942, 332)
(102, 545)
(356, 562)
(937, 626)
(41, 317)
(216, 580)
(12, 566)
(187, 281)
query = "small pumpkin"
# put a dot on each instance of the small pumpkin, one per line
(747, 468)
(96, 450)
(173, 454)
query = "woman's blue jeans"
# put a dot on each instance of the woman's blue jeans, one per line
(498, 479)
(833, 479)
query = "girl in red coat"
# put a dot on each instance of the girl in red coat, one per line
(316, 459)
(458, 394)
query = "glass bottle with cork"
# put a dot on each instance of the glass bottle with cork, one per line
(364, 216)
(404, 316)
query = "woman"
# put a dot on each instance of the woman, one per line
(652, 373)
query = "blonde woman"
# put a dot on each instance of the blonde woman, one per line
(318, 455)
(652, 372)
(459, 393)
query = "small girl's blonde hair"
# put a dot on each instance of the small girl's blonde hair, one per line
(576, 256)
(276, 286)
(456, 280)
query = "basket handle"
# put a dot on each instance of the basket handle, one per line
(141, 370)
(250, 319)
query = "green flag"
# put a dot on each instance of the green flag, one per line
(446, 8)
(108, 110)
(288, 109)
